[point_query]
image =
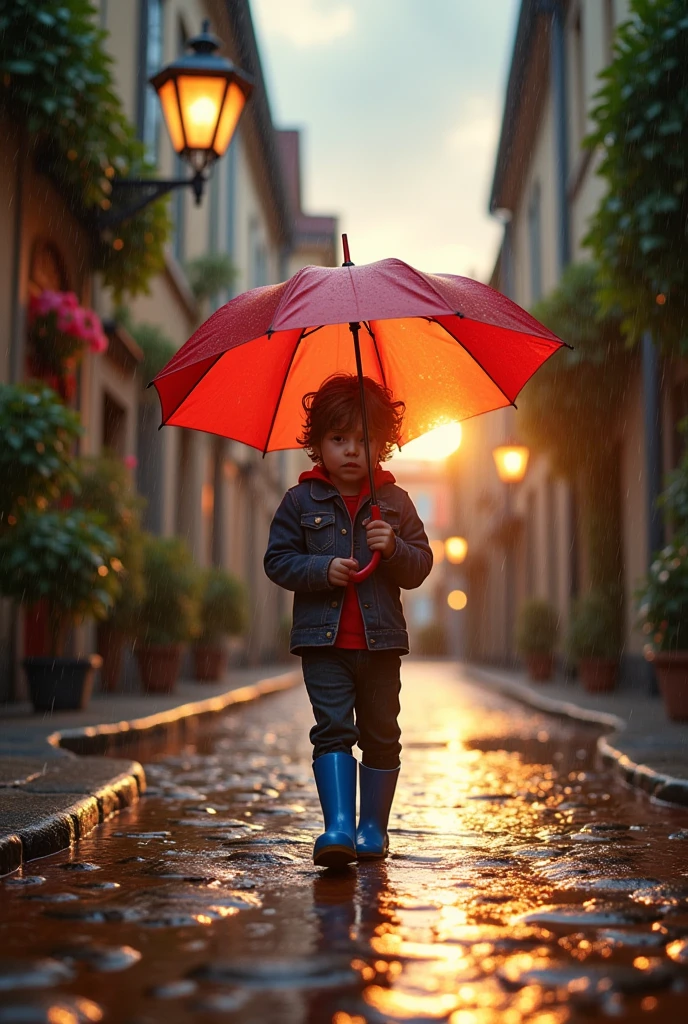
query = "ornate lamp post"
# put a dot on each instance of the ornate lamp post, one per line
(511, 461)
(202, 96)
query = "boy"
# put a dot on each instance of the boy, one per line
(350, 636)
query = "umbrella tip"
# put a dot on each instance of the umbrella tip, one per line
(347, 256)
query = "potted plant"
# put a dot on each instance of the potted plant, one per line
(663, 599)
(66, 559)
(593, 641)
(536, 637)
(222, 613)
(167, 617)
(104, 486)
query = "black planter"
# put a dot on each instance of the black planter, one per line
(61, 684)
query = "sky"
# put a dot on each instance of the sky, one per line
(400, 105)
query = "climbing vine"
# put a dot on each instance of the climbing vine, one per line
(56, 83)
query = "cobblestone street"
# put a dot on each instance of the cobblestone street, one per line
(524, 885)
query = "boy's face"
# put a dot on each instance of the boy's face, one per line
(343, 455)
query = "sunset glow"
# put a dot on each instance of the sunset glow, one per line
(436, 445)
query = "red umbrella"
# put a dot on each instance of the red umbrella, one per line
(451, 347)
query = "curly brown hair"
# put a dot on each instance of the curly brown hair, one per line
(336, 405)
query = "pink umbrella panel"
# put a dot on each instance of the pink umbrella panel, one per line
(450, 347)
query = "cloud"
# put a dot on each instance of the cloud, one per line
(304, 23)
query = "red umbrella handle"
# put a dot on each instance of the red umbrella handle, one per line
(372, 565)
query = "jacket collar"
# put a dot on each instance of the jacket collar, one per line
(323, 488)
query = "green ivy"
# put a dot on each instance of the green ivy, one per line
(56, 82)
(638, 234)
(38, 432)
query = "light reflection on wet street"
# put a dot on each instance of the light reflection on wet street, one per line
(524, 885)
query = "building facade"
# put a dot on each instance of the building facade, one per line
(545, 189)
(216, 493)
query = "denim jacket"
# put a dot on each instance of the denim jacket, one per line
(311, 527)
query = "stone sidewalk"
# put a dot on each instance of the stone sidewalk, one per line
(646, 749)
(50, 797)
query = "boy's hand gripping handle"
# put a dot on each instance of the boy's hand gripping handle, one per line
(372, 565)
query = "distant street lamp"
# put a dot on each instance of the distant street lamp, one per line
(202, 96)
(456, 549)
(511, 461)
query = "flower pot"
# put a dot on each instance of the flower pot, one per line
(61, 684)
(209, 662)
(540, 667)
(111, 644)
(672, 675)
(598, 675)
(159, 666)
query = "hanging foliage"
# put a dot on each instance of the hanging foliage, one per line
(639, 234)
(56, 83)
(570, 407)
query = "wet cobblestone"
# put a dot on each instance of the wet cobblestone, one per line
(524, 885)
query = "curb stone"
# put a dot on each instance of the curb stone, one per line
(47, 804)
(657, 785)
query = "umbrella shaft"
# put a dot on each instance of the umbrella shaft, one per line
(354, 327)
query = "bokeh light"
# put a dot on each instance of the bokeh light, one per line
(436, 445)
(457, 600)
(456, 549)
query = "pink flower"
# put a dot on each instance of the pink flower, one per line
(69, 318)
(130, 461)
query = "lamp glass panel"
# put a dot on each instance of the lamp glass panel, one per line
(200, 99)
(231, 112)
(511, 462)
(170, 108)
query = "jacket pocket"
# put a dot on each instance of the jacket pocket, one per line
(318, 528)
(391, 516)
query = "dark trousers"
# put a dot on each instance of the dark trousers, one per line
(366, 684)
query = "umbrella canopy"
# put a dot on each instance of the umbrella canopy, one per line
(450, 347)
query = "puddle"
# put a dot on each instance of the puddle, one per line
(524, 885)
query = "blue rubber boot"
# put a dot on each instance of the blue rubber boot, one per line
(377, 794)
(335, 777)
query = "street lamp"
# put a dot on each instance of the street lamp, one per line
(511, 461)
(202, 96)
(456, 549)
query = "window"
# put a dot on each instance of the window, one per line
(114, 426)
(530, 546)
(150, 60)
(535, 243)
(579, 73)
(259, 255)
(609, 28)
(425, 506)
(552, 553)
(679, 413)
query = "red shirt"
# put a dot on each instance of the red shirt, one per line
(351, 632)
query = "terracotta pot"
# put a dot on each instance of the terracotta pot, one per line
(159, 666)
(672, 675)
(209, 663)
(111, 644)
(598, 675)
(540, 667)
(60, 684)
